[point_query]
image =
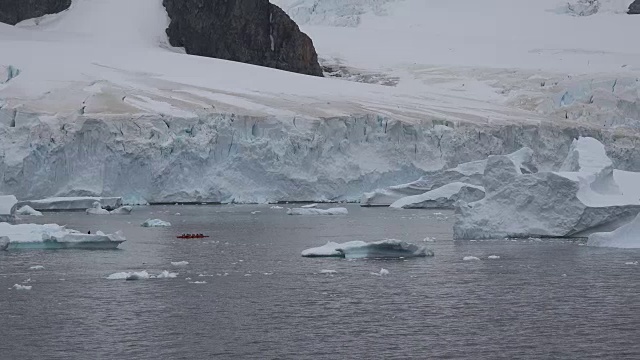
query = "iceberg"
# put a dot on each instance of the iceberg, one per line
(97, 209)
(53, 236)
(8, 204)
(314, 211)
(72, 203)
(441, 198)
(627, 236)
(581, 199)
(155, 223)
(390, 248)
(123, 210)
(4, 243)
(29, 211)
(471, 173)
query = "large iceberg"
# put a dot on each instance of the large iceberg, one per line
(442, 198)
(359, 249)
(53, 236)
(627, 236)
(8, 204)
(314, 211)
(72, 203)
(581, 199)
(469, 173)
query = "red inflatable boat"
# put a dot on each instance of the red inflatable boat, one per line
(192, 236)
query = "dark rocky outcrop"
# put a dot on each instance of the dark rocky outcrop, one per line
(634, 8)
(254, 32)
(14, 11)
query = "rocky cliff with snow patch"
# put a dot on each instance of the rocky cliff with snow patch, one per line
(254, 32)
(14, 11)
(634, 8)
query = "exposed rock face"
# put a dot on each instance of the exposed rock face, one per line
(254, 32)
(634, 8)
(14, 11)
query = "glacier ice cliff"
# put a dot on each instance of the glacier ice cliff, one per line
(230, 158)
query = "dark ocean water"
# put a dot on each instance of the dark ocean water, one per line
(543, 299)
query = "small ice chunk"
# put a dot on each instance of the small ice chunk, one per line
(155, 223)
(197, 282)
(470, 258)
(4, 243)
(307, 211)
(389, 248)
(327, 271)
(493, 257)
(631, 263)
(309, 206)
(122, 210)
(276, 207)
(166, 275)
(254, 212)
(36, 267)
(382, 272)
(177, 214)
(134, 275)
(29, 211)
(179, 263)
(96, 209)
(21, 287)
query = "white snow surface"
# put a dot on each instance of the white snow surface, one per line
(53, 236)
(390, 248)
(28, 210)
(314, 211)
(627, 236)
(443, 197)
(155, 223)
(97, 98)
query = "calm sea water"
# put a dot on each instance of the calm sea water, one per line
(261, 300)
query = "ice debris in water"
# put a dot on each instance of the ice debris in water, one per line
(197, 282)
(155, 223)
(254, 212)
(276, 207)
(309, 206)
(325, 271)
(390, 248)
(140, 275)
(312, 211)
(382, 272)
(21, 287)
(429, 239)
(470, 258)
(631, 263)
(179, 263)
(493, 257)
(29, 211)
(36, 267)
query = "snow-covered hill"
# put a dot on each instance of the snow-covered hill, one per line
(94, 102)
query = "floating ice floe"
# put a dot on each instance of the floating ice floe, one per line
(122, 210)
(155, 223)
(179, 263)
(309, 206)
(28, 211)
(627, 236)
(359, 249)
(276, 207)
(471, 258)
(313, 211)
(441, 198)
(36, 267)
(468, 173)
(72, 203)
(493, 257)
(583, 198)
(141, 275)
(53, 236)
(4, 243)
(21, 287)
(97, 209)
(8, 205)
(326, 271)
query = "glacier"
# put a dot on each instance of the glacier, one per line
(443, 197)
(53, 236)
(72, 203)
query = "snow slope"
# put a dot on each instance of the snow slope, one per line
(97, 104)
